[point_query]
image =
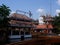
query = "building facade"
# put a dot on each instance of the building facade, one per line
(21, 25)
(45, 25)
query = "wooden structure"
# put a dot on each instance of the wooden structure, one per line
(46, 27)
(20, 23)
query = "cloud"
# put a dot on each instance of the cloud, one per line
(12, 12)
(40, 10)
(58, 2)
(57, 11)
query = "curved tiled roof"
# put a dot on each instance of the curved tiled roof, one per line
(20, 16)
(44, 26)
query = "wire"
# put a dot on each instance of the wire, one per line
(50, 6)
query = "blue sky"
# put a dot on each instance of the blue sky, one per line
(37, 7)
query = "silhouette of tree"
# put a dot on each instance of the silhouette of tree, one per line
(4, 13)
(56, 24)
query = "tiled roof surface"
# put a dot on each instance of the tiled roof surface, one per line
(21, 16)
(50, 26)
(44, 26)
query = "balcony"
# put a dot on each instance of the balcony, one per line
(21, 25)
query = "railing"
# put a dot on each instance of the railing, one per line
(17, 25)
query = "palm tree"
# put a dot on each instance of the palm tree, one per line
(4, 12)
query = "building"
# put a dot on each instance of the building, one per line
(45, 25)
(21, 24)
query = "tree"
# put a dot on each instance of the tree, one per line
(56, 24)
(4, 12)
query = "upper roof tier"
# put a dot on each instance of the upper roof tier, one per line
(20, 17)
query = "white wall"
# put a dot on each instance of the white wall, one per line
(41, 20)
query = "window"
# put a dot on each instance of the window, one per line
(15, 32)
(27, 33)
(9, 32)
(22, 33)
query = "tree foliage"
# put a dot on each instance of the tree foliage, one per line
(4, 12)
(56, 24)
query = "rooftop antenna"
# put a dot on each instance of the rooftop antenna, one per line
(21, 11)
(30, 14)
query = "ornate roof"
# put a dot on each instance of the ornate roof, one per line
(44, 26)
(20, 16)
